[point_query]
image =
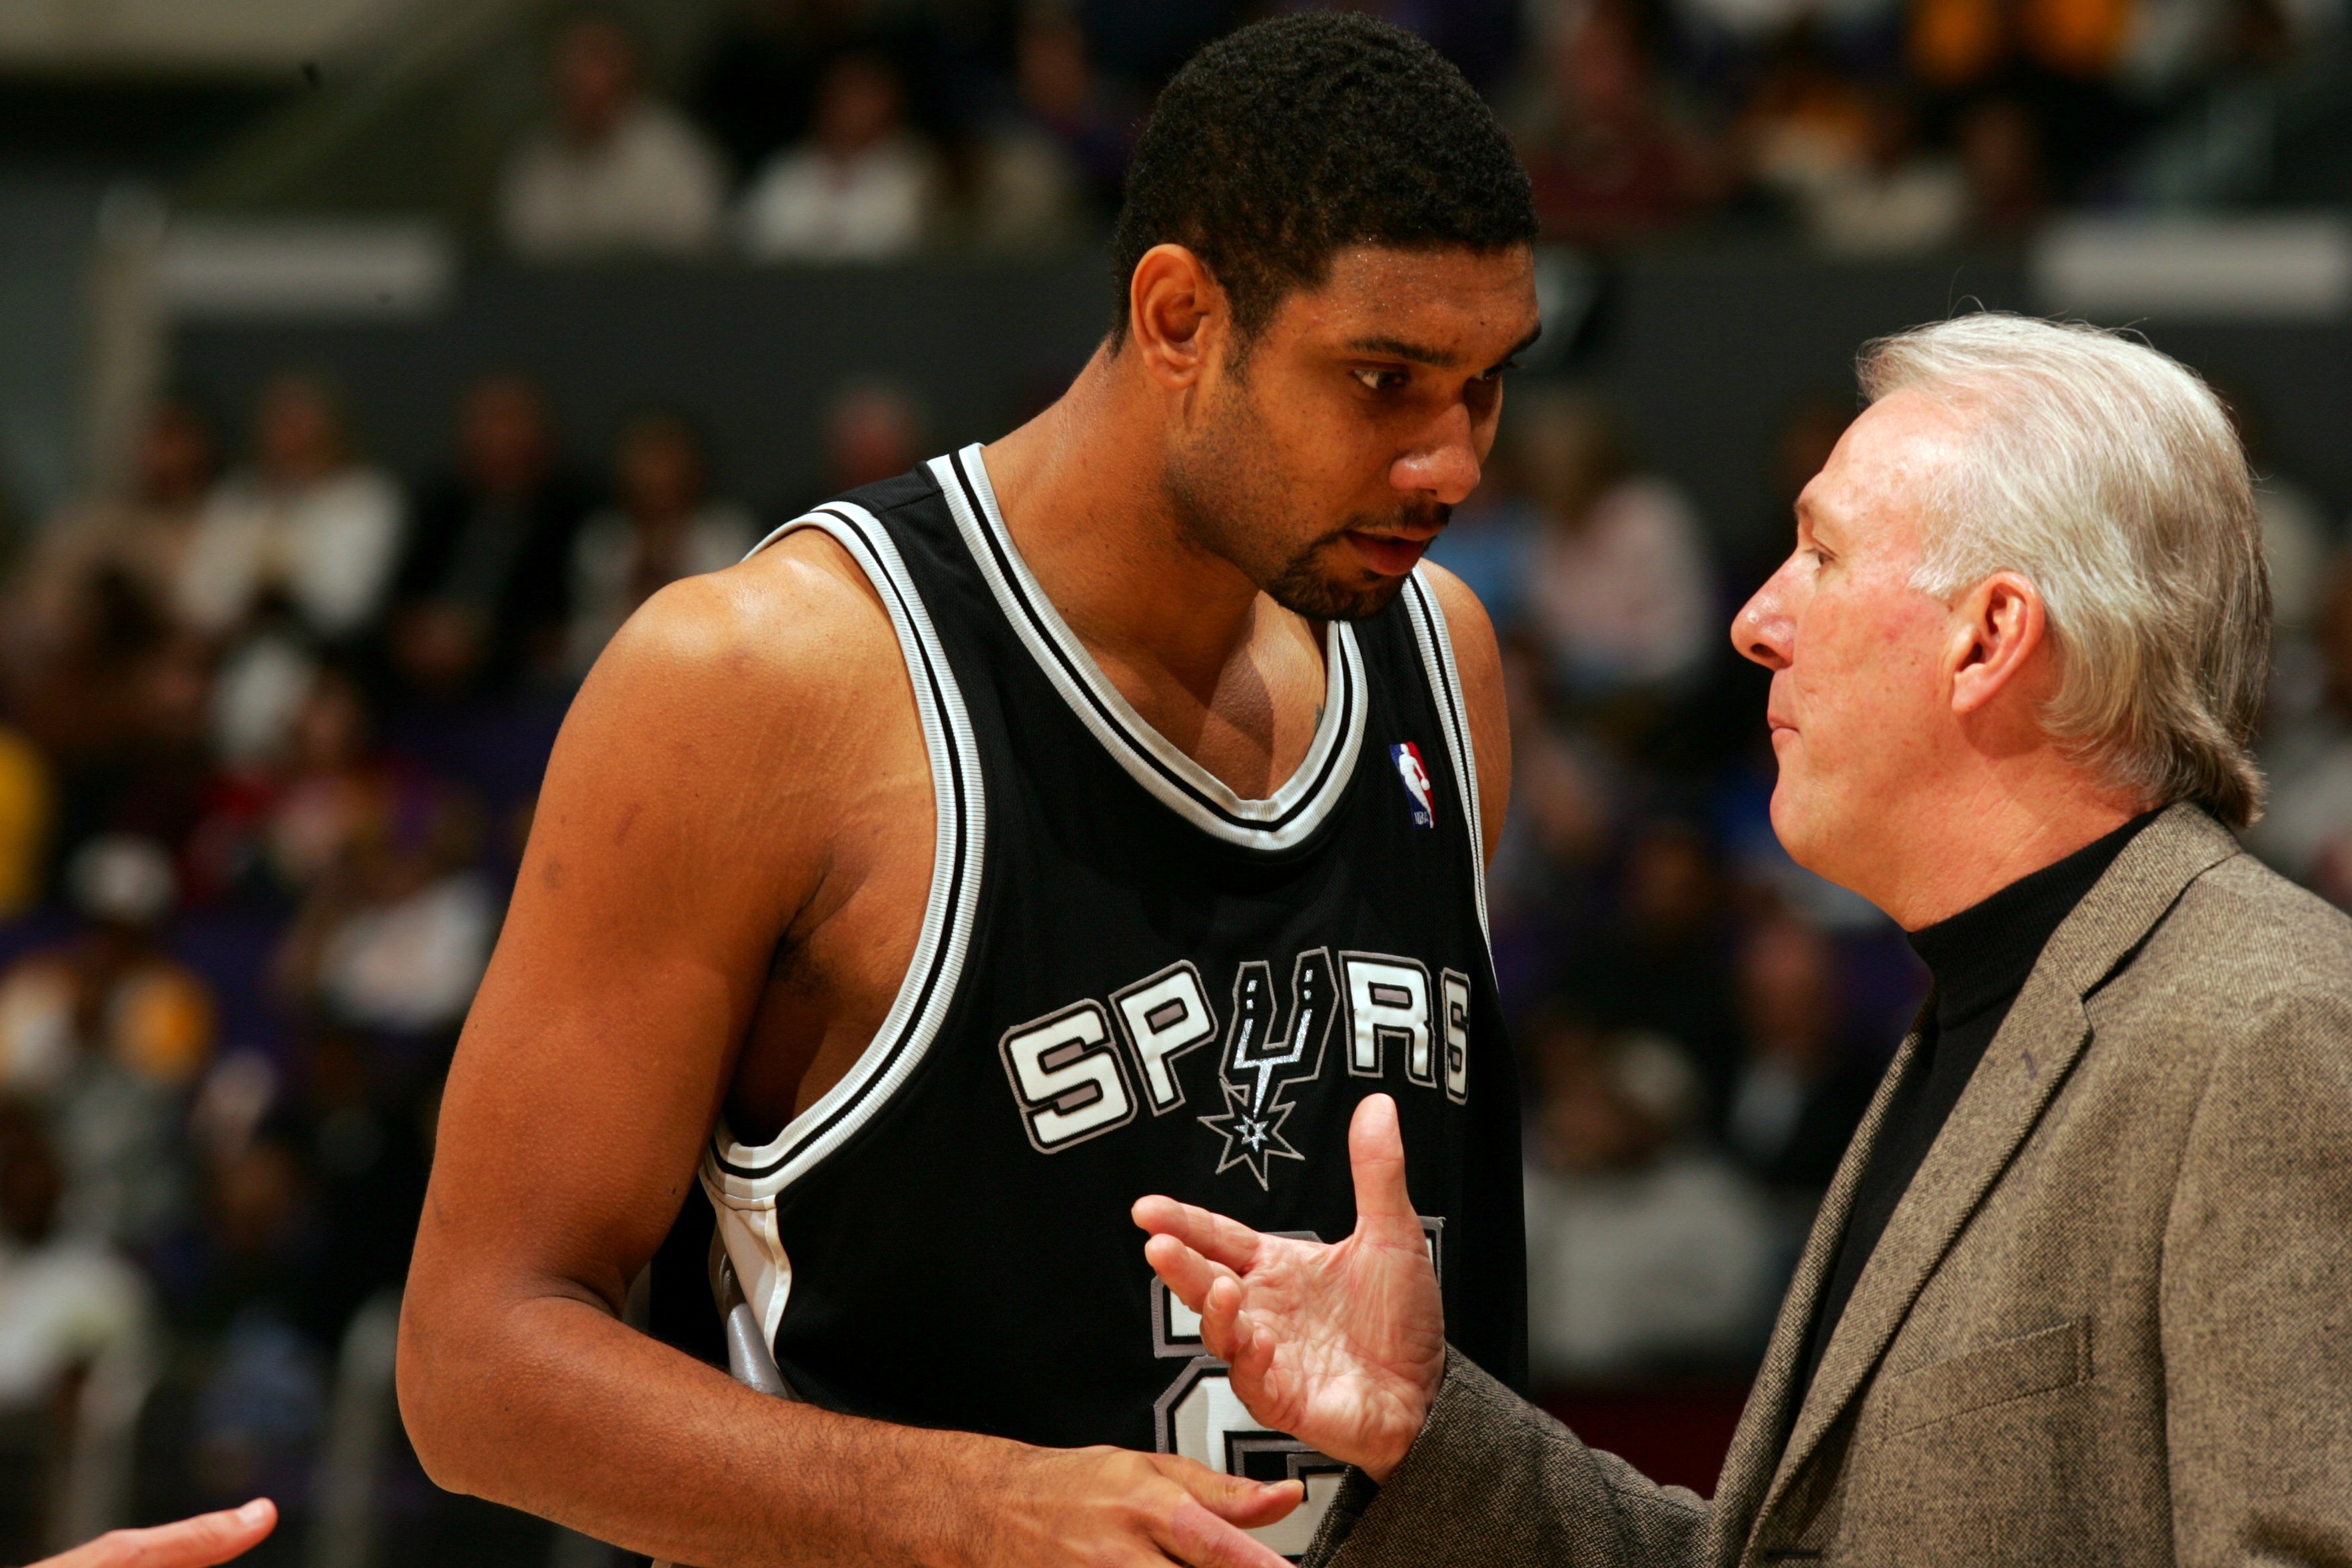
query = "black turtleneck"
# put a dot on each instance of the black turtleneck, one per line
(1981, 958)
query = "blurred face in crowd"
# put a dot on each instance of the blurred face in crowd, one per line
(874, 431)
(299, 433)
(1787, 999)
(506, 439)
(1054, 79)
(175, 458)
(660, 470)
(857, 106)
(1323, 456)
(1861, 711)
(595, 77)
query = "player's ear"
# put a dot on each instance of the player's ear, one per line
(1176, 312)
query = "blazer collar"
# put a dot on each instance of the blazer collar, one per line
(2036, 1046)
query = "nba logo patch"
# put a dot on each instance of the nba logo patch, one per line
(1415, 774)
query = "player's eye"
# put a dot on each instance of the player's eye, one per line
(1381, 380)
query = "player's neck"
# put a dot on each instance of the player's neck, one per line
(1082, 491)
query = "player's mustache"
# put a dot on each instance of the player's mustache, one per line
(1433, 515)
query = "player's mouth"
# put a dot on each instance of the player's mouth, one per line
(1390, 555)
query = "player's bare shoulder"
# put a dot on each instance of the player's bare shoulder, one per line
(743, 722)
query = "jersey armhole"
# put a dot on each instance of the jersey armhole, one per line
(742, 1181)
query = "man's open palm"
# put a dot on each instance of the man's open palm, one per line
(1341, 1346)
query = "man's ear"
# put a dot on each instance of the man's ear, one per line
(1999, 629)
(1176, 315)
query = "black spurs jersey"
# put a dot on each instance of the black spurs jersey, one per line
(1128, 979)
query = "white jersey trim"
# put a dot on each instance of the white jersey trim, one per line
(1285, 819)
(743, 1181)
(1437, 641)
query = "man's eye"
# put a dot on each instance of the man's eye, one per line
(1381, 380)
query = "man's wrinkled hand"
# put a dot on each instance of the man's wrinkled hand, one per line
(197, 1543)
(1112, 1507)
(1341, 1346)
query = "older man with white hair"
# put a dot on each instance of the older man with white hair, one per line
(2082, 1291)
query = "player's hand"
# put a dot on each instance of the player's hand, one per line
(195, 1542)
(1104, 1506)
(1341, 1346)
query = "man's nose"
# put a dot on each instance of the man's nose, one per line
(1445, 468)
(1764, 630)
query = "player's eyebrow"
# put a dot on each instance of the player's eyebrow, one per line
(1421, 353)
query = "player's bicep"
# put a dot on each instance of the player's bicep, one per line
(1479, 662)
(657, 882)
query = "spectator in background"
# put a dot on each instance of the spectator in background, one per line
(617, 173)
(306, 529)
(757, 85)
(2307, 831)
(1802, 1087)
(1062, 97)
(1610, 156)
(113, 721)
(481, 592)
(393, 940)
(1886, 196)
(1645, 1250)
(65, 1299)
(1661, 961)
(143, 536)
(1621, 594)
(664, 525)
(874, 431)
(105, 1032)
(862, 187)
(1036, 178)
(28, 806)
(2000, 150)
(241, 1280)
(69, 1305)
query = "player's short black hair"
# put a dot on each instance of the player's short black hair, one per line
(1287, 140)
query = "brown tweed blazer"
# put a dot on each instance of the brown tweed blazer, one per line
(2109, 1323)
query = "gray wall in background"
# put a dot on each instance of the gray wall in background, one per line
(46, 224)
(751, 357)
(1706, 357)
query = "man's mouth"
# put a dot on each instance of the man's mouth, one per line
(1391, 553)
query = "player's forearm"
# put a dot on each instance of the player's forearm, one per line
(556, 1408)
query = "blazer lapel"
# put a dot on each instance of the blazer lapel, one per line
(1752, 1461)
(2031, 1055)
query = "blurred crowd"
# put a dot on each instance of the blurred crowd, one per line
(271, 727)
(835, 129)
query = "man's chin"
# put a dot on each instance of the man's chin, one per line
(1321, 598)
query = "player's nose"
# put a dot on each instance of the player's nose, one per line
(1444, 466)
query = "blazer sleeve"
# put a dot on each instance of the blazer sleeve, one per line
(2256, 1313)
(1494, 1481)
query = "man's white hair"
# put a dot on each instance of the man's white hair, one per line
(2109, 477)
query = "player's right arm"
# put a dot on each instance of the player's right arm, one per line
(711, 800)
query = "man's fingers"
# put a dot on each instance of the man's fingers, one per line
(1189, 1273)
(1198, 1537)
(1212, 1235)
(1236, 1500)
(1376, 1153)
(197, 1542)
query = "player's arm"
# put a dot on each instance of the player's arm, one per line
(1479, 662)
(705, 778)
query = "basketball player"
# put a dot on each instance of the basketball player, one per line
(1098, 813)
